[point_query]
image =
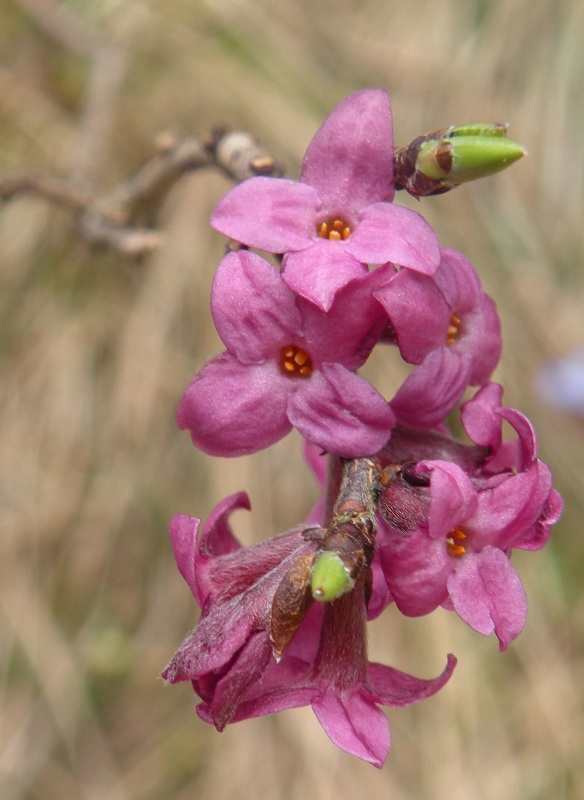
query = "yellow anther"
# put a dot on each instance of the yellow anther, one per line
(295, 362)
(334, 229)
(453, 329)
(453, 542)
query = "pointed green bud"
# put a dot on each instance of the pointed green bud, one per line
(468, 152)
(330, 578)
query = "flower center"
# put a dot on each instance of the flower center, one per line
(334, 229)
(295, 362)
(454, 543)
(453, 329)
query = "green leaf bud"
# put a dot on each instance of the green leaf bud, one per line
(463, 155)
(330, 577)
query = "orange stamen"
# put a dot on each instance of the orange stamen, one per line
(295, 362)
(453, 329)
(453, 542)
(334, 229)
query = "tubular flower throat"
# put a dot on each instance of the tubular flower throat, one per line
(334, 229)
(295, 362)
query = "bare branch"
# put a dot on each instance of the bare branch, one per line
(107, 219)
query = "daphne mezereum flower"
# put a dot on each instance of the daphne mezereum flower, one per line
(343, 688)
(452, 526)
(230, 648)
(338, 218)
(229, 659)
(287, 364)
(457, 345)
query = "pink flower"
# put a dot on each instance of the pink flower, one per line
(228, 657)
(457, 345)
(343, 688)
(339, 217)
(230, 648)
(287, 364)
(452, 526)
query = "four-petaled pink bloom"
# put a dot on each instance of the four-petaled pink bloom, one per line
(338, 218)
(287, 364)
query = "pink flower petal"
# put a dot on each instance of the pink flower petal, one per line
(272, 214)
(341, 412)
(356, 724)
(487, 594)
(350, 159)
(388, 232)
(320, 271)
(432, 390)
(233, 409)
(247, 668)
(453, 497)
(183, 534)
(395, 688)
(407, 298)
(416, 568)
(252, 306)
(479, 417)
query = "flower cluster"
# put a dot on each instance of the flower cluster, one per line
(408, 514)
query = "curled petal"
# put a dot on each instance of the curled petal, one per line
(216, 538)
(183, 534)
(395, 688)
(535, 537)
(511, 508)
(527, 439)
(479, 417)
(193, 557)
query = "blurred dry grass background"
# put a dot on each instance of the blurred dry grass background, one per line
(96, 351)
